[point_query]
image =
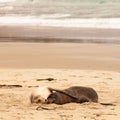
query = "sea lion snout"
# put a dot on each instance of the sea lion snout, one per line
(40, 95)
(38, 99)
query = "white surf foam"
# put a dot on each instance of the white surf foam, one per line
(7, 8)
(4, 1)
(54, 16)
(85, 23)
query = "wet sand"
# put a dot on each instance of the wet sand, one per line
(22, 33)
(60, 55)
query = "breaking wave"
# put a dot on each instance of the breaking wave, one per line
(45, 20)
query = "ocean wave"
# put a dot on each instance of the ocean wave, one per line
(62, 8)
(6, 8)
(5, 1)
(66, 22)
(53, 16)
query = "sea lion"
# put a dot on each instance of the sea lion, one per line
(76, 94)
(40, 95)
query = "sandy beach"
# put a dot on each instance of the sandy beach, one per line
(15, 104)
(24, 66)
(60, 56)
(59, 44)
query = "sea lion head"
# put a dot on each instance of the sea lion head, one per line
(40, 95)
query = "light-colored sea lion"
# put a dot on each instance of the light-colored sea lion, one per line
(76, 94)
(40, 95)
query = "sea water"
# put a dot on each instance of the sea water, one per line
(64, 8)
(67, 13)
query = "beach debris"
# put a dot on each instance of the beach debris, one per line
(9, 86)
(45, 108)
(32, 86)
(47, 79)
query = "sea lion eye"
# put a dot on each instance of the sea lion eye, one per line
(46, 100)
(38, 101)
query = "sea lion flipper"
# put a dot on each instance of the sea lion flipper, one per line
(83, 99)
(63, 92)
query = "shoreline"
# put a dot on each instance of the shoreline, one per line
(58, 34)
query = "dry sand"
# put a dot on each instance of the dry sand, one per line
(15, 104)
(92, 65)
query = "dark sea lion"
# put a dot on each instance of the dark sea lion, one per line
(76, 94)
